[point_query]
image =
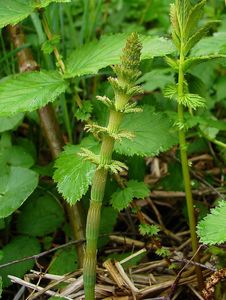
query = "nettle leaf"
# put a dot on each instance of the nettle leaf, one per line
(210, 45)
(29, 91)
(183, 9)
(96, 55)
(44, 3)
(48, 45)
(134, 189)
(155, 79)
(73, 173)
(64, 261)
(17, 156)
(9, 123)
(153, 133)
(198, 35)
(14, 11)
(44, 213)
(193, 61)
(16, 187)
(212, 228)
(84, 113)
(194, 15)
(19, 247)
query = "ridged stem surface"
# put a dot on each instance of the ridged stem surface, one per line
(124, 86)
(185, 170)
(94, 213)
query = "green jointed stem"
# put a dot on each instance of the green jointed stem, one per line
(124, 88)
(185, 170)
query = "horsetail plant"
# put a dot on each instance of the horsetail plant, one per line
(186, 34)
(124, 86)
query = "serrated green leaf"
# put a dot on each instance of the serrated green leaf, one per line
(198, 35)
(44, 213)
(211, 229)
(64, 261)
(210, 45)
(9, 123)
(193, 17)
(16, 187)
(157, 78)
(29, 91)
(44, 3)
(93, 56)
(19, 247)
(147, 229)
(84, 113)
(193, 61)
(74, 174)
(174, 23)
(18, 157)
(153, 134)
(48, 45)
(183, 8)
(134, 189)
(14, 11)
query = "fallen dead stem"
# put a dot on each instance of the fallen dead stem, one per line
(113, 282)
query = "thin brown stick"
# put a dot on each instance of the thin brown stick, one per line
(36, 256)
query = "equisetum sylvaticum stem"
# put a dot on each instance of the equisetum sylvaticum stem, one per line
(186, 174)
(124, 86)
(184, 19)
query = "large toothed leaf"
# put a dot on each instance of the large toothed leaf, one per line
(153, 132)
(19, 247)
(44, 213)
(215, 44)
(29, 91)
(193, 61)
(14, 11)
(121, 198)
(198, 35)
(16, 186)
(194, 15)
(73, 173)
(93, 56)
(44, 3)
(8, 123)
(212, 228)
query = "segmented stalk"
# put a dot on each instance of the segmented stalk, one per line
(124, 87)
(185, 170)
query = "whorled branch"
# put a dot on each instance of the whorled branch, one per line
(124, 88)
